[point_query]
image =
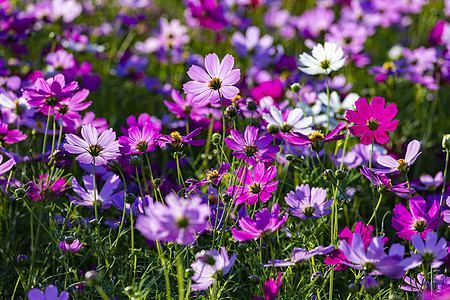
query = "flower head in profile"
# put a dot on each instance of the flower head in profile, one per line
(216, 82)
(294, 121)
(417, 220)
(213, 177)
(257, 185)
(92, 147)
(308, 203)
(178, 221)
(176, 140)
(400, 165)
(383, 183)
(262, 226)
(372, 121)
(250, 147)
(324, 59)
(210, 267)
(51, 293)
(299, 255)
(46, 188)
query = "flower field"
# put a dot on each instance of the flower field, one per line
(224, 149)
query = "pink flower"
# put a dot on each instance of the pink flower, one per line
(216, 82)
(372, 121)
(73, 247)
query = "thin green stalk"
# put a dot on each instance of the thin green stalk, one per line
(180, 275)
(376, 208)
(45, 133)
(166, 270)
(328, 106)
(123, 212)
(303, 106)
(443, 191)
(139, 182)
(409, 186)
(95, 189)
(133, 254)
(151, 176)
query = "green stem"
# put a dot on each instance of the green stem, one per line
(166, 270)
(409, 186)
(45, 134)
(224, 129)
(376, 208)
(95, 190)
(180, 276)
(328, 106)
(443, 190)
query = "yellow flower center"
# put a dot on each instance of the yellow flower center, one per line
(176, 136)
(316, 136)
(389, 66)
(211, 175)
(325, 64)
(215, 84)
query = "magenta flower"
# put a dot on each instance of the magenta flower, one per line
(73, 247)
(216, 82)
(255, 185)
(250, 147)
(51, 293)
(430, 252)
(401, 165)
(186, 108)
(179, 221)
(383, 183)
(308, 203)
(264, 224)
(374, 261)
(86, 195)
(209, 267)
(92, 147)
(10, 136)
(6, 166)
(418, 220)
(68, 108)
(177, 140)
(270, 289)
(372, 121)
(315, 139)
(140, 140)
(300, 255)
(45, 188)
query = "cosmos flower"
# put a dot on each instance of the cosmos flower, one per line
(430, 252)
(178, 221)
(73, 246)
(212, 177)
(293, 123)
(264, 224)
(185, 108)
(45, 188)
(10, 136)
(177, 140)
(86, 195)
(6, 166)
(420, 283)
(299, 255)
(209, 267)
(372, 121)
(250, 147)
(140, 140)
(270, 289)
(51, 293)
(218, 80)
(308, 203)
(324, 59)
(383, 183)
(92, 147)
(69, 107)
(256, 184)
(401, 165)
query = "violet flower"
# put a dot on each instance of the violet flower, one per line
(10, 136)
(250, 147)
(429, 252)
(383, 183)
(420, 283)
(401, 165)
(264, 224)
(300, 255)
(185, 108)
(177, 140)
(45, 188)
(51, 293)
(73, 247)
(256, 185)
(68, 108)
(92, 147)
(179, 221)
(308, 203)
(212, 177)
(138, 207)
(294, 122)
(209, 267)
(216, 83)
(418, 220)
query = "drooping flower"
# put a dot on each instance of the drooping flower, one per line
(92, 147)
(418, 220)
(324, 59)
(250, 147)
(383, 183)
(218, 80)
(401, 165)
(372, 121)
(51, 293)
(178, 221)
(374, 261)
(270, 289)
(316, 139)
(86, 195)
(294, 122)
(73, 246)
(212, 177)
(256, 184)
(264, 224)
(139, 140)
(308, 203)
(177, 140)
(300, 255)
(430, 252)
(209, 267)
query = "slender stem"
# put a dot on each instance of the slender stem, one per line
(376, 208)
(409, 186)
(60, 133)
(303, 106)
(224, 129)
(328, 106)
(331, 284)
(124, 210)
(15, 287)
(180, 276)
(166, 270)
(45, 133)
(95, 189)
(151, 176)
(139, 183)
(133, 254)
(53, 136)
(443, 191)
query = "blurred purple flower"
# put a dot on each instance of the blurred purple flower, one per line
(308, 203)
(51, 293)
(299, 255)
(431, 252)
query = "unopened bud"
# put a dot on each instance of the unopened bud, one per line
(91, 277)
(251, 105)
(340, 174)
(231, 111)
(327, 175)
(295, 87)
(271, 128)
(135, 161)
(157, 182)
(317, 278)
(216, 138)
(446, 142)
(254, 279)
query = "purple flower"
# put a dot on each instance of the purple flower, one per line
(250, 147)
(430, 252)
(374, 261)
(10, 136)
(264, 224)
(60, 60)
(138, 207)
(218, 80)
(86, 195)
(440, 283)
(46, 188)
(431, 183)
(51, 293)
(209, 267)
(140, 140)
(6, 166)
(68, 108)
(92, 147)
(419, 220)
(212, 177)
(300, 255)
(179, 221)
(186, 108)
(73, 247)
(401, 165)
(315, 139)
(177, 140)
(270, 289)
(206, 13)
(260, 48)
(383, 183)
(370, 284)
(308, 203)
(255, 185)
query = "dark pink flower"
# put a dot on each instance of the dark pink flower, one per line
(10, 136)
(140, 140)
(372, 120)
(45, 188)
(270, 289)
(73, 247)
(186, 108)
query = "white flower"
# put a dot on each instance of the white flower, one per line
(295, 121)
(323, 59)
(336, 106)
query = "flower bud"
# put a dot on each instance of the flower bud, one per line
(289, 157)
(254, 279)
(353, 288)
(130, 198)
(231, 111)
(242, 247)
(251, 105)
(134, 161)
(157, 182)
(370, 285)
(226, 197)
(69, 239)
(22, 260)
(20, 193)
(91, 277)
(216, 138)
(94, 222)
(79, 288)
(295, 87)
(189, 272)
(327, 174)
(340, 174)
(446, 142)
(271, 128)
(317, 278)
(114, 165)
